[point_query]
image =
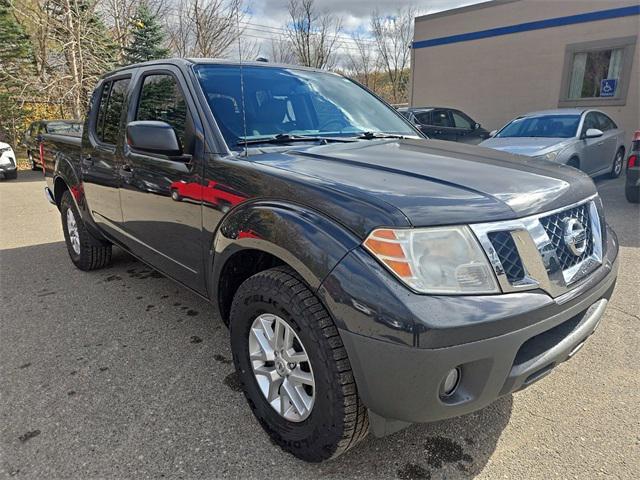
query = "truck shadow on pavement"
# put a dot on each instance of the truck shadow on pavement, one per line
(122, 373)
(28, 176)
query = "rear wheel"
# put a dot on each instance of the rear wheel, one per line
(294, 368)
(618, 164)
(86, 251)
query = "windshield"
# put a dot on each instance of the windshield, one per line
(551, 126)
(294, 102)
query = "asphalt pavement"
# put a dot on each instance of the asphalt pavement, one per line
(121, 373)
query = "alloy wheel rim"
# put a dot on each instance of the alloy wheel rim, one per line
(72, 229)
(281, 367)
(618, 164)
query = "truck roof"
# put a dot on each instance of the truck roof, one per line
(183, 62)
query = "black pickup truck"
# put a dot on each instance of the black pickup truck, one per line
(370, 278)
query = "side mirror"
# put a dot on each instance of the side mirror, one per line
(476, 126)
(492, 133)
(593, 133)
(153, 137)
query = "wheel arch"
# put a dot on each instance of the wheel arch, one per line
(260, 236)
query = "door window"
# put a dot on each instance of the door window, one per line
(440, 118)
(604, 122)
(461, 121)
(423, 118)
(162, 100)
(590, 121)
(112, 102)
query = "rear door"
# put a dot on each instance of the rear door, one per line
(162, 196)
(609, 139)
(102, 144)
(442, 125)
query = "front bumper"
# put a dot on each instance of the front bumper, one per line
(7, 168)
(500, 344)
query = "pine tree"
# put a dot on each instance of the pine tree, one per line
(16, 68)
(147, 38)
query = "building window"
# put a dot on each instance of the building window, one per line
(597, 73)
(594, 70)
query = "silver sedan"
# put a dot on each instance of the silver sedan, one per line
(584, 139)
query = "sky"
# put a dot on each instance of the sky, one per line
(266, 18)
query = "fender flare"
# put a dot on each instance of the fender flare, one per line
(306, 240)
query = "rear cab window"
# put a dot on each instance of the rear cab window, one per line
(112, 102)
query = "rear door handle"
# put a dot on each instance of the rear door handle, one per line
(87, 161)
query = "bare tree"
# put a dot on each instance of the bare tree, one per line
(205, 28)
(313, 34)
(362, 61)
(393, 36)
(281, 51)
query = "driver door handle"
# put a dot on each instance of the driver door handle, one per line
(87, 161)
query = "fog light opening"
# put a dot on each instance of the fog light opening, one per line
(450, 383)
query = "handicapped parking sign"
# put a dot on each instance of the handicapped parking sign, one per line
(608, 87)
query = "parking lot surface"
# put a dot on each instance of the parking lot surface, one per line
(121, 373)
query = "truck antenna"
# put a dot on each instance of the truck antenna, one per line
(244, 115)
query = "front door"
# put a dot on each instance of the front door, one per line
(99, 165)
(594, 149)
(162, 196)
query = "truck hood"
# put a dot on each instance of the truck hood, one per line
(435, 182)
(530, 146)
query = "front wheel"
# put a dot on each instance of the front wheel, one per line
(618, 164)
(86, 251)
(294, 368)
(632, 194)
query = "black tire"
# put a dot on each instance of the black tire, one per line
(93, 252)
(34, 165)
(338, 419)
(175, 195)
(632, 194)
(618, 164)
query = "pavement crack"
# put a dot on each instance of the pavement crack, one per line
(618, 309)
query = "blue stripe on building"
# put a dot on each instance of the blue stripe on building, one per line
(528, 26)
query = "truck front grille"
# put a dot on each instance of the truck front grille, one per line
(532, 252)
(554, 226)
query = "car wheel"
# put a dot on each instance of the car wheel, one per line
(293, 367)
(632, 194)
(86, 251)
(618, 164)
(175, 195)
(574, 162)
(32, 162)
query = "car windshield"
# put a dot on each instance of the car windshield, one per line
(551, 126)
(280, 100)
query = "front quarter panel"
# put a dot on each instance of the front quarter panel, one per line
(309, 242)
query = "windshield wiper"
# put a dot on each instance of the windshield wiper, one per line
(374, 135)
(281, 138)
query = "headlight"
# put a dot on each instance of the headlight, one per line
(440, 260)
(550, 157)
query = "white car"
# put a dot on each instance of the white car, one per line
(581, 138)
(8, 168)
